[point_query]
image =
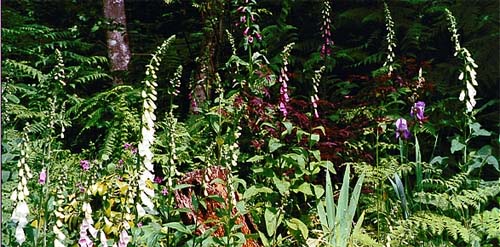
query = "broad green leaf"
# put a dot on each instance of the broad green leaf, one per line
(318, 190)
(314, 138)
(283, 186)
(493, 161)
(178, 226)
(255, 158)
(264, 240)
(305, 188)
(271, 217)
(456, 145)
(274, 144)
(297, 224)
(254, 190)
(477, 131)
(437, 159)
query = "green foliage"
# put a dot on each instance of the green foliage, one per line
(438, 188)
(337, 221)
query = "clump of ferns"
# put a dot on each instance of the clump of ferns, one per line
(112, 110)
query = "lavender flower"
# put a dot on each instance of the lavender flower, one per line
(124, 239)
(402, 129)
(43, 177)
(127, 146)
(418, 110)
(85, 164)
(158, 180)
(164, 191)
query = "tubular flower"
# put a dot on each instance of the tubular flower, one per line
(390, 38)
(418, 110)
(21, 211)
(326, 29)
(283, 78)
(314, 98)
(43, 177)
(87, 227)
(402, 129)
(247, 22)
(468, 74)
(148, 130)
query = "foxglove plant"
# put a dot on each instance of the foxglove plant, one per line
(18, 196)
(390, 38)
(149, 96)
(87, 227)
(326, 29)
(60, 216)
(468, 75)
(283, 79)
(171, 123)
(314, 98)
(247, 19)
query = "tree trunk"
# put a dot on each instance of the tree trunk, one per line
(117, 40)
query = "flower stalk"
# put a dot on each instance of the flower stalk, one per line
(390, 38)
(149, 95)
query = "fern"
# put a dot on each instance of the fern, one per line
(487, 224)
(431, 227)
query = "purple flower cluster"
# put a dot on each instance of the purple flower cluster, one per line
(247, 17)
(85, 164)
(283, 78)
(129, 146)
(417, 111)
(402, 129)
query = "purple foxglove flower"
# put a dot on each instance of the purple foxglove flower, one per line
(283, 109)
(245, 33)
(85, 164)
(158, 180)
(259, 36)
(124, 239)
(402, 129)
(418, 110)
(43, 177)
(164, 191)
(127, 146)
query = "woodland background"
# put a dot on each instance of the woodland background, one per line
(69, 114)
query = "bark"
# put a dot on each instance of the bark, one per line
(117, 40)
(206, 218)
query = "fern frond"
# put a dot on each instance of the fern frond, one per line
(23, 70)
(94, 76)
